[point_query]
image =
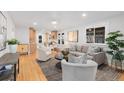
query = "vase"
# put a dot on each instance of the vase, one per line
(12, 48)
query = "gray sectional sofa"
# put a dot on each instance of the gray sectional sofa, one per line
(94, 53)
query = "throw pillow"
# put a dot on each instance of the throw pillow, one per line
(97, 49)
(74, 59)
(72, 48)
(78, 48)
(84, 59)
(84, 49)
(80, 59)
(90, 51)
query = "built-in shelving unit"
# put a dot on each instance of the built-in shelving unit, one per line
(95, 35)
(100, 35)
(90, 35)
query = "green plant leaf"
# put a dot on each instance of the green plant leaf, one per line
(110, 52)
(12, 41)
(115, 44)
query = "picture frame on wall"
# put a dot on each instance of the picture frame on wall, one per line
(73, 36)
(3, 31)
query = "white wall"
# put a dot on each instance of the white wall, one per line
(22, 34)
(10, 31)
(117, 23)
(111, 24)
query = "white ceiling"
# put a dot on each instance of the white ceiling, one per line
(65, 19)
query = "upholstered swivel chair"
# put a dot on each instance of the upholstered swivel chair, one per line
(43, 54)
(78, 71)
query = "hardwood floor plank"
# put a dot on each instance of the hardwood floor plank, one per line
(29, 69)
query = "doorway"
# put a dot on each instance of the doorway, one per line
(32, 40)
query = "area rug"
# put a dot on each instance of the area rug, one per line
(7, 75)
(104, 72)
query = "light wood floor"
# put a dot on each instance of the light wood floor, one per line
(31, 71)
(122, 77)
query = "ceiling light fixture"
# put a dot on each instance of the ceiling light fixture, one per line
(84, 15)
(54, 22)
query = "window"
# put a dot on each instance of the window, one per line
(73, 36)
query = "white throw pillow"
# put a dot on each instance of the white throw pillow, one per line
(80, 59)
(84, 59)
(72, 48)
(74, 59)
(91, 50)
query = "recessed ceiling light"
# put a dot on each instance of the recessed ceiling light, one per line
(54, 22)
(35, 23)
(84, 15)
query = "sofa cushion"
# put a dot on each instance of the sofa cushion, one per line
(90, 57)
(97, 49)
(94, 49)
(72, 48)
(84, 49)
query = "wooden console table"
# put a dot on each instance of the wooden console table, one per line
(10, 59)
(23, 48)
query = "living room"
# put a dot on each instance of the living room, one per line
(47, 40)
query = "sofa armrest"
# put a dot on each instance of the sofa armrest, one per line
(99, 57)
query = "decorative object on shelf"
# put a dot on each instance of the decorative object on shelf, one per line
(90, 35)
(62, 38)
(115, 43)
(13, 45)
(73, 36)
(40, 38)
(59, 38)
(100, 35)
(95, 35)
(3, 31)
(58, 41)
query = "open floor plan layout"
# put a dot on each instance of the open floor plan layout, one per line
(61, 46)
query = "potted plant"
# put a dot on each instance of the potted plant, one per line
(116, 44)
(13, 45)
